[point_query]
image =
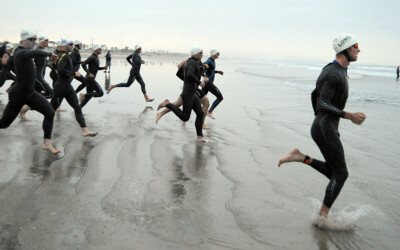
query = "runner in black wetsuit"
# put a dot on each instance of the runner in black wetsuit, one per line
(398, 72)
(191, 75)
(329, 99)
(76, 62)
(108, 62)
(203, 98)
(3, 48)
(92, 87)
(63, 88)
(41, 63)
(136, 61)
(53, 65)
(23, 92)
(7, 64)
(210, 84)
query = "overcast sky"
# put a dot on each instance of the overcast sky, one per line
(283, 29)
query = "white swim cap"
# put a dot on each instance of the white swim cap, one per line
(137, 46)
(195, 50)
(214, 52)
(6, 41)
(96, 47)
(43, 38)
(66, 41)
(9, 46)
(27, 33)
(343, 42)
(77, 42)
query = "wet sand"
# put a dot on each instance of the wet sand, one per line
(138, 185)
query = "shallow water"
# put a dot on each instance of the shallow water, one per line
(145, 186)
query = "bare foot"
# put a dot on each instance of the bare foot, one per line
(324, 211)
(209, 114)
(59, 109)
(206, 127)
(110, 88)
(294, 155)
(202, 139)
(90, 134)
(163, 104)
(22, 113)
(87, 133)
(81, 97)
(149, 99)
(158, 117)
(23, 117)
(49, 147)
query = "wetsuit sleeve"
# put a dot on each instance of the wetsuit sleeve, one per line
(191, 73)
(36, 53)
(76, 61)
(129, 59)
(325, 98)
(84, 65)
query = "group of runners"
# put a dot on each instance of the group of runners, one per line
(29, 92)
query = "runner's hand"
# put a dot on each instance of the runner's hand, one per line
(77, 74)
(358, 118)
(91, 75)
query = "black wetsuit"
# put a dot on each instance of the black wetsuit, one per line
(76, 62)
(24, 91)
(192, 74)
(41, 84)
(108, 60)
(136, 61)
(63, 88)
(53, 67)
(398, 72)
(93, 88)
(2, 52)
(210, 84)
(5, 73)
(329, 99)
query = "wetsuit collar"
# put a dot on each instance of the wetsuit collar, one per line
(334, 61)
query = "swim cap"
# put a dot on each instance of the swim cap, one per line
(96, 47)
(77, 42)
(214, 52)
(343, 42)
(27, 33)
(6, 41)
(43, 38)
(66, 41)
(9, 46)
(137, 47)
(195, 50)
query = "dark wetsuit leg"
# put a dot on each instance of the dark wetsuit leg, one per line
(139, 79)
(82, 85)
(189, 102)
(324, 133)
(12, 109)
(66, 91)
(131, 79)
(40, 104)
(93, 90)
(215, 91)
(53, 76)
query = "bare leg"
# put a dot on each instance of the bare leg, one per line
(324, 211)
(86, 132)
(206, 104)
(293, 156)
(177, 103)
(23, 111)
(81, 97)
(49, 147)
